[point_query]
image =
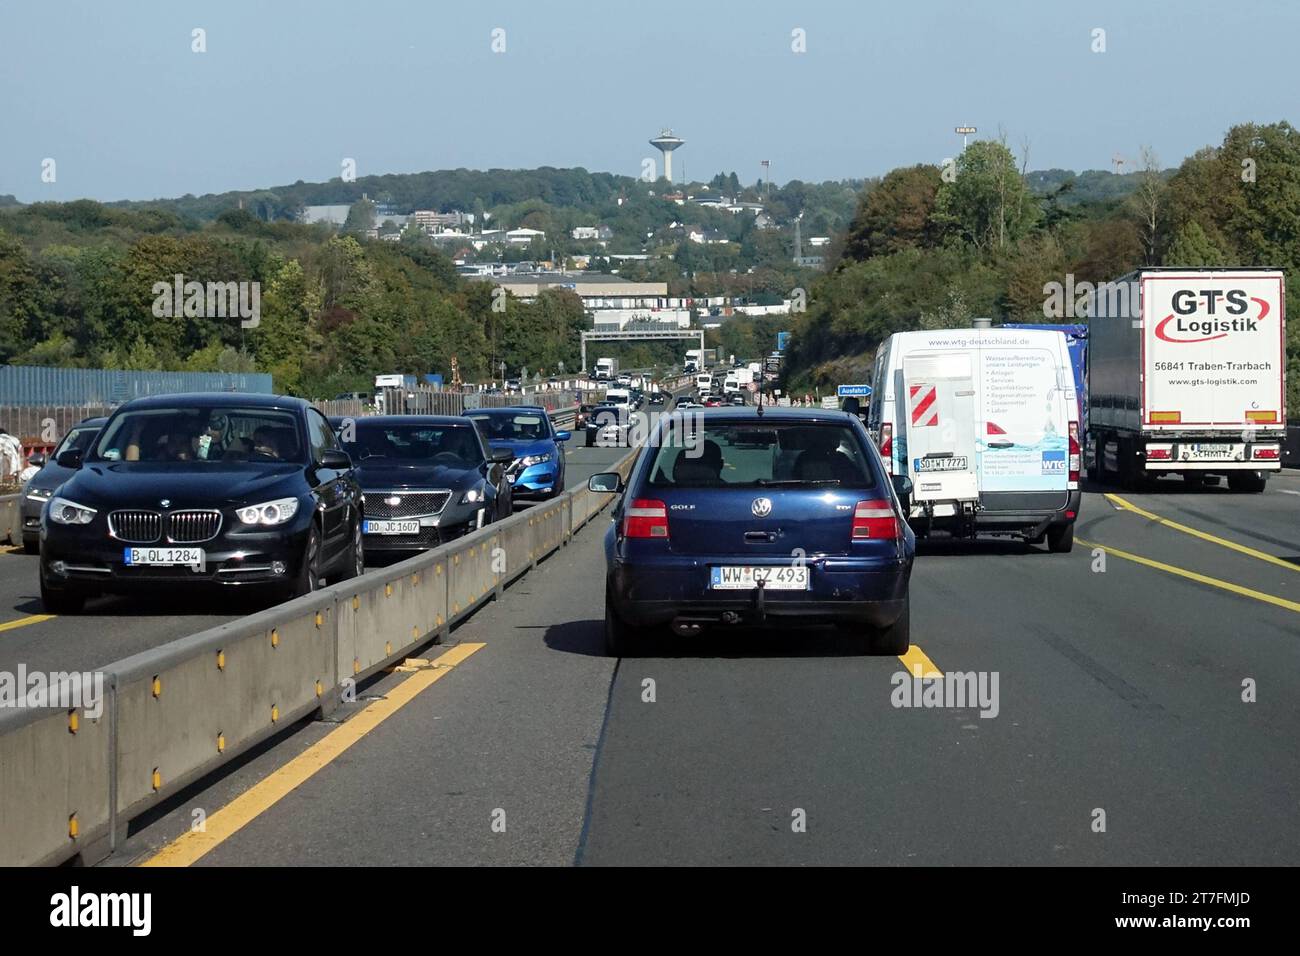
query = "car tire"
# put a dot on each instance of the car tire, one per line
(1060, 538)
(622, 639)
(31, 545)
(309, 577)
(61, 600)
(1247, 482)
(893, 640)
(356, 558)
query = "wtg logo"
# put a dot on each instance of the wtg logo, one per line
(216, 300)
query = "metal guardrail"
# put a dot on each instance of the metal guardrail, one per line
(70, 784)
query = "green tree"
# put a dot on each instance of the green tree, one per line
(987, 203)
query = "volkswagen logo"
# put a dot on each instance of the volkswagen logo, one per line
(762, 507)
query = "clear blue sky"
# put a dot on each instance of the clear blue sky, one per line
(112, 92)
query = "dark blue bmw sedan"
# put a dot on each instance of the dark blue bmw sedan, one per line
(781, 517)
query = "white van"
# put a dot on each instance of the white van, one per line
(703, 382)
(985, 425)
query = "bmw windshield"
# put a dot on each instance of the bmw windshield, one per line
(202, 434)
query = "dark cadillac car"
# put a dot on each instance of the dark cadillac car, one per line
(426, 479)
(41, 486)
(210, 489)
(776, 518)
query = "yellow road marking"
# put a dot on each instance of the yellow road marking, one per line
(918, 665)
(249, 805)
(11, 549)
(1203, 535)
(24, 621)
(1193, 576)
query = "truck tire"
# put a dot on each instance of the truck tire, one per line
(1247, 482)
(1060, 538)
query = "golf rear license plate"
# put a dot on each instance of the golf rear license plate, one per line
(954, 463)
(745, 577)
(163, 557)
(391, 527)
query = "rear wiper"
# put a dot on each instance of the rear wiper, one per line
(774, 483)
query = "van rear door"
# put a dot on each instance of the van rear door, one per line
(1027, 393)
(941, 419)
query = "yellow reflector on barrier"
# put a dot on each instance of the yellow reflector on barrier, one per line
(320, 688)
(388, 590)
(73, 721)
(275, 637)
(275, 713)
(157, 686)
(157, 779)
(221, 743)
(221, 660)
(356, 602)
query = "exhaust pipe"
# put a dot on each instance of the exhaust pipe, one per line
(683, 628)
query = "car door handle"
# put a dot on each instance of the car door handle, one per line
(760, 537)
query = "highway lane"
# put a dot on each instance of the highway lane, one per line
(114, 627)
(1120, 690)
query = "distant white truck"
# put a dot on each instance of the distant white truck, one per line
(1187, 374)
(606, 369)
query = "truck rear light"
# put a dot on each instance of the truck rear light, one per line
(1268, 453)
(1261, 417)
(1075, 452)
(646, 518)
(1166, 418)
(887, 446)
(875, 520)
(1159, 454)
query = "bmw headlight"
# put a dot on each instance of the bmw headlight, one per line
(473, 496)
(272, 512)
(63, 511)
(531, 460)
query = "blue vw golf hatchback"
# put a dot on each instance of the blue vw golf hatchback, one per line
(781, 517)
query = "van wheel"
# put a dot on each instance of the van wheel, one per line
(1247, 482)
(1060, 538)
(893, 640)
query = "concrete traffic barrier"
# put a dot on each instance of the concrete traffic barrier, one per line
(11, 522)
(185, 708)
(70, 783)
(55, 772)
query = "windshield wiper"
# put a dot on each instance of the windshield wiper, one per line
(774, 483)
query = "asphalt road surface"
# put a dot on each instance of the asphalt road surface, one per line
(1118, 734)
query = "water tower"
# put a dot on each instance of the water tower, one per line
(666, 142)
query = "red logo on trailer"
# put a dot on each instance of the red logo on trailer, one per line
(923, 399)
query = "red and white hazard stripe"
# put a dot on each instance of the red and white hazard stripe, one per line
(925, 410)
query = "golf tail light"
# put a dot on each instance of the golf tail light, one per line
(646, 518)
(874, 520)
(1075, 452)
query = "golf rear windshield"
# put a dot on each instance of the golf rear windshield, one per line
(760, 454)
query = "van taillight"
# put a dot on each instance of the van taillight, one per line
(887, 446)
(646, 518)
(1075, 453)
(874, 520)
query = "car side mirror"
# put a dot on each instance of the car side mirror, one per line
(606, 482)
(902, 485)
(71, 459)
(336, 460)
(502, 455)
(563, 436)
(37, 460)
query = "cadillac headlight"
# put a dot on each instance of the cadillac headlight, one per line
(270, 513)
(473, 496)
(63, 511)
